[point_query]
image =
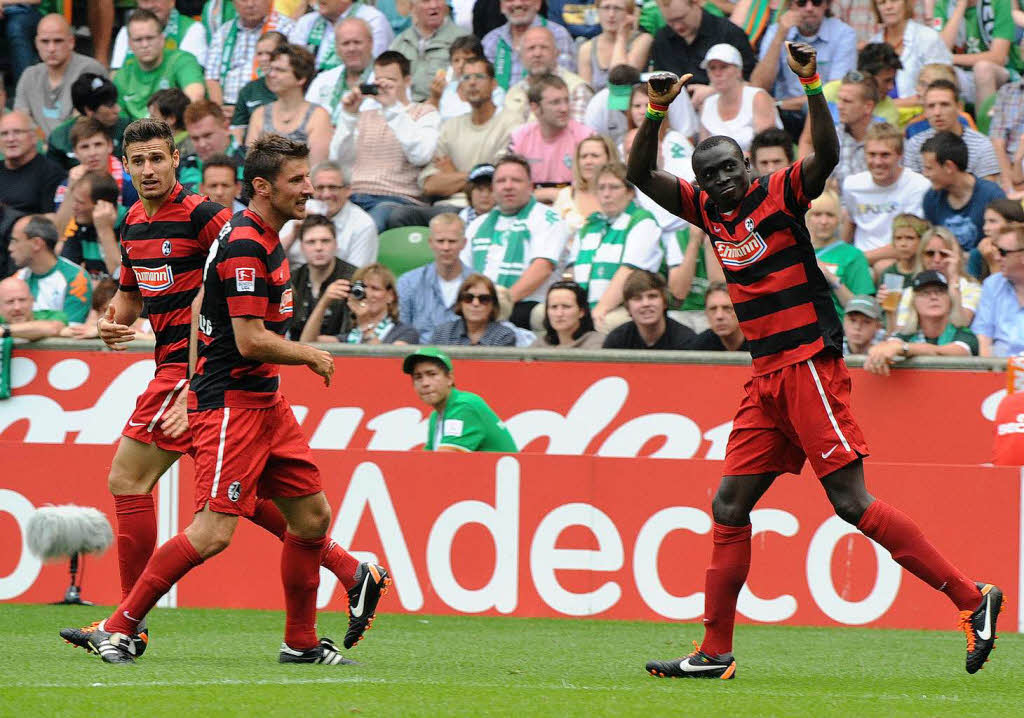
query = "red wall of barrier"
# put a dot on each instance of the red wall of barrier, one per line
(535, 535)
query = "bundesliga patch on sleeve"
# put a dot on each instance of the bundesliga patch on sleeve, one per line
(452, 427)
(245, 279)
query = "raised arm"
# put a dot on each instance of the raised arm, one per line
(661, 186)
(818, 166)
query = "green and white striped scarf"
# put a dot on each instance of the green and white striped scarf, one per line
(601, 246)
(513, 240)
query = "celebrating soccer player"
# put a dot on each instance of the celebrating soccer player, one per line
(797, 402)
(167, 236)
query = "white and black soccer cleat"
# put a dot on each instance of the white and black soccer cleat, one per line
(325, 652)
(80, 637)
(112, 647)
(372, 583)
(696, 665)
(979, 626)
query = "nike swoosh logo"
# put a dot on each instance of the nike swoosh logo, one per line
(827, 454)
(252, 103)
(357, 610)
(130, 618)
(687, 668)
(136, 423)
(986, 632)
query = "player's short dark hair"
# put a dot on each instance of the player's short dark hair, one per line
(943, 84)
(711, 143)
(102, 187)
(538, 84)
(266, 156)
(466, 43)
(623, 75)
(315, 220)
(171, 102)
(947, 147)
(514, 159)
(301, 60)
(716, 287)
(877, 56)
(86, 127)
(142, 15)
(772, 137)
(91, 91)
(40, 226)
(481, 60)
(640, 281)
(221, 160)
(203, 108)
(582, 301)
(146, 130)
(390, 57)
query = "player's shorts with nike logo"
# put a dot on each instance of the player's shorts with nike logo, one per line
(144, 423)
(245, 453)
(799, 412)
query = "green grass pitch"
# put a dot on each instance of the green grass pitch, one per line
(223, 663)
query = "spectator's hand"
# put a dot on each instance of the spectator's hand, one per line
(75, 174)
(104, 215)
(351, 101)
(321, 363)
(336, 291)
(114, 335)
(699, 93)
(666, 97)
(788, 20)
(388, 93)
(437, 86)
(79, 331)
(445, 164)
(989, 252)
(881, 293)
(880, 357)
(175, 419)
(831, 278)
(598, 314)
(802, 58)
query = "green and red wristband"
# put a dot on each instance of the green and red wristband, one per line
(655, 111)
(812, 84)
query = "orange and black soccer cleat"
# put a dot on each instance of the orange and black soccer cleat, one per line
(696, 665)
(80, 637)
(372, 582)
(979, 626)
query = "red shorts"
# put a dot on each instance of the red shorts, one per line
(799, 412)
(144, 424)
(242, 454)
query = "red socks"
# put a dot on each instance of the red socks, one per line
(169, 564)
(334, 558)
(300, 574)
(898, 533)
(136, 536)
(730, 563)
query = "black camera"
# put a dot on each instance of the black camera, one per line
(358, 290)
(369, 88)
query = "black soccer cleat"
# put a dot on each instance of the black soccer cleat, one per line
(980, 626)
(112, 647)
(372, 583)
(80, 637)
(325, 652)
(696, 665)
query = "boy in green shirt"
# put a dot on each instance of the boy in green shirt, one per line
(461, 421)
(153, 68)
(845, 267)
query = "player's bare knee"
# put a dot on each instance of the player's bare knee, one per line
(123, 482)
(211, 533)
(728, 511)
(848, 506)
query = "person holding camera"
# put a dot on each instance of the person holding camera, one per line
(372, 316)
(387, 147)
(321, 285)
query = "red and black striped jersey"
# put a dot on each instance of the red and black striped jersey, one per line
(246, 275)
(162, 258)
(783, 303)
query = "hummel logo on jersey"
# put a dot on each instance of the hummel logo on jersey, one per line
(156, 279)
(826, 454)
(986, 632)
(357, 610)
(736, 255)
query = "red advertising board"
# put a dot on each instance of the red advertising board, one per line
(536, 535)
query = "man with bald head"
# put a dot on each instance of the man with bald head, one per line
(44, 89)
(504, 45)
(426, 43)
(28, 181)
(315, 30)
(353, 42)
(180, 33)
(540, 57)
(18, 320)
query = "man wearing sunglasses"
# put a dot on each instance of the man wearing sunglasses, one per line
(796, 406)
(999, 323)
(804, 21)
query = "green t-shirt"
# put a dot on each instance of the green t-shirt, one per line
(851, 267)
(950, 335)
(468, 424)
(252, 95)
(984, 22)
(135, 86)
(65, 288)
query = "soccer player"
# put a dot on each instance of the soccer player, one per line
(167, 236)
(797, 402)
(460, 421)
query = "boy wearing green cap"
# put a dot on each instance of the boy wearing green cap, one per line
(461, 421)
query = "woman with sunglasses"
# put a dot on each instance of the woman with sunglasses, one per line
(916, 44)
(477, 308)
(618, 44)
(567, 320)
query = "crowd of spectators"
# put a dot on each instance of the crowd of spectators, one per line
(468, 161)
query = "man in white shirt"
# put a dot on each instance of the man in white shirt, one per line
(315, 30)
(355, 232)
(520, 242)
(180, 33)
(873, 198)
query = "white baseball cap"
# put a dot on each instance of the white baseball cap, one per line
(724, 53)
